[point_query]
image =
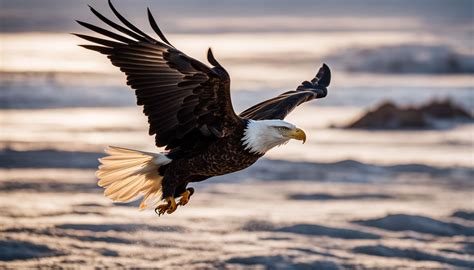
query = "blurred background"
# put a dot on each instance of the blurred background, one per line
(384, 179)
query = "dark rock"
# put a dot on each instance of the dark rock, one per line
(390, 116)
(444, 109)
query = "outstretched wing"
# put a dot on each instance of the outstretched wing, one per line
(279, 107)
(186, 101)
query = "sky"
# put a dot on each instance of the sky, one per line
(58, 15)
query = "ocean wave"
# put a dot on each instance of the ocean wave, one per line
(405, 59)
(347, 171)
(61, 90)
(47, 90)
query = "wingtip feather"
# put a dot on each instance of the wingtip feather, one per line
(156, 28)
(212, 59)
(129, 24)
(324, 75)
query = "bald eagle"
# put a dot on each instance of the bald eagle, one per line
(189, 110)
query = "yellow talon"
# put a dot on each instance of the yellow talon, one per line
(161, 209)
(169, 207)
(185, 197)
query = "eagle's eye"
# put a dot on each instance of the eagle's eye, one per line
(283, 128)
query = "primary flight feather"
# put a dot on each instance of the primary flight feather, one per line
(190, 112)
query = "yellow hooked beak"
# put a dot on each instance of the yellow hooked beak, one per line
(298, 134)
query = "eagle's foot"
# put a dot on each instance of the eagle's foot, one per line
(185, 196)
(169, 207)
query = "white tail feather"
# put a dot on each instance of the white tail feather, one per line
(127, 174)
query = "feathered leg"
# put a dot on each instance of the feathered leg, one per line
(169, 187)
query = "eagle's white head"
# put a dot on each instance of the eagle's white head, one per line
(262, 135)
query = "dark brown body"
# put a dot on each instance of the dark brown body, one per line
(223, 156)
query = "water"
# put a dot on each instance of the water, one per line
(54, 76)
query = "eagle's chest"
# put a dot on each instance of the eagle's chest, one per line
(224, 156)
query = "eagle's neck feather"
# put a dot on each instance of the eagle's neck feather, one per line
(258, 138)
